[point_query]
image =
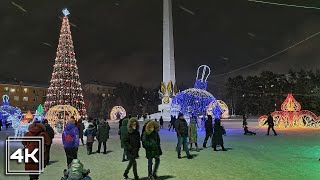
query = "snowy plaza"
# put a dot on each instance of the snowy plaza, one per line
(291, 155)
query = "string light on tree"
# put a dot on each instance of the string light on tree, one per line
(65, 87)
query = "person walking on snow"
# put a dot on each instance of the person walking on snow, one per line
(182, 133)
(50, 132)
(123, 132)
(161, 122)
(209, 130)
(70, 139)
(81, 128)
(103, 136)
(270, 125)
(193, 134)
(132, 144)
(217, 135)
(151, 143)
(90, 132)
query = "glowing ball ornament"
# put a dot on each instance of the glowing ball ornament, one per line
(117, 112)
(223, 108)
(194, 101)
(59, 115)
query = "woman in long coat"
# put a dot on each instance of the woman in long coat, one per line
(193, 134)
(217, 135)
(151, 143)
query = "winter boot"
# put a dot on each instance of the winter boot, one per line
(179, 156)
(205, 145)
(155, 177)
(223, 149)
(150, 177)
(190, 157)
(136, 178)
(98, 151)
(125, 175)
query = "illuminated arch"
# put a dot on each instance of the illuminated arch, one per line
(116, 111)
(59, 115)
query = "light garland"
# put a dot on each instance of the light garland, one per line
(65, 87)
(117, 110)
(292, 115)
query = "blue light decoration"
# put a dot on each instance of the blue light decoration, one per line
(6, 111)
(195, 101)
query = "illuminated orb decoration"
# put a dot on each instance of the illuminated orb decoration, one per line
(117, 112)
(59, 115)
(6, 111)
(292, 115)
(194, 101)
(223, 108)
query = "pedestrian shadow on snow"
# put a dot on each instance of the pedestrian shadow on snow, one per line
(52, 162)
(109, 152)
(159, 177)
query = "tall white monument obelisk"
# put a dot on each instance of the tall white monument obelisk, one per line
(168, 85)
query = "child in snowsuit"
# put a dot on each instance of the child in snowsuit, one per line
(91, 132)
(247, 132)
(76, 171)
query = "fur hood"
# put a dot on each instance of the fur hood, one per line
(130, 122)
(151, 124)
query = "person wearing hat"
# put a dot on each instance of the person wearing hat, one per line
(182, 133)
(90, 133)
(70, 139)
(50, 132)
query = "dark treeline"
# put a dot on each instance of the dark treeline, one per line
(257, 95)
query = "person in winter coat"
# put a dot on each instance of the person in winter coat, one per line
(123, 132)
(132, 144)
(244, 121)
(270, 125)
(76, 171)
(247, 132)
(161, 122)
(217, 135)
(90, 133)
(182, 134)
(81, 129)
(36, 129)
(70, 139)
(120, 123)
(151, 143)
(193, 134)
(50, 132)
(209, 130)
(144, 128)
(103, 136)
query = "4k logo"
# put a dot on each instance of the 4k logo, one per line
(18, 156)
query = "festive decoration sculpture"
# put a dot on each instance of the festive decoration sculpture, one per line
(39, 113)
(224, 109)
(65, 86)
(6, 111)
(117, 112)
(59, 115)
(194, 101)
(292, 115)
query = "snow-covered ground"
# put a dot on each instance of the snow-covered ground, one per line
(292, 155)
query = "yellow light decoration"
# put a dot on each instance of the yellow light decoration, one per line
(222, 105)
(116, 111)
(59, 115)
(29, 115)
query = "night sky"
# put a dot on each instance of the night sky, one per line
(122, 40)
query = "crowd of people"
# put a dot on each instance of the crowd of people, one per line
(131, 141)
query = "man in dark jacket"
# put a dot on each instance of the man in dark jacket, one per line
(161, 122)
(123, 132)
(209, 130)
(132, 144)
(217, 135)
(182, 133)
(70, 139)
(270, 125)
(151, 143)
(81, 129)
(50, 132)
(103, 136)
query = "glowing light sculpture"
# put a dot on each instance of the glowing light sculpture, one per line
(6, 111)
(117, 111)
(292, 115)
(194, 101)
(59, 115)
(223, 108)
(65, 87)
(39, 113)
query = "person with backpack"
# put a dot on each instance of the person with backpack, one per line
(90, 132)
(103, 136)
(70, 139)
(39, 130)
(50, 132)
(182, 134)
(81, 128)
(209, 130)
(132, 144)
(76, 171)
(123, 132)
(151, 143)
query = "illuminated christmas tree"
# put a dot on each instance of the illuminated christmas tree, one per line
(65, 86)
